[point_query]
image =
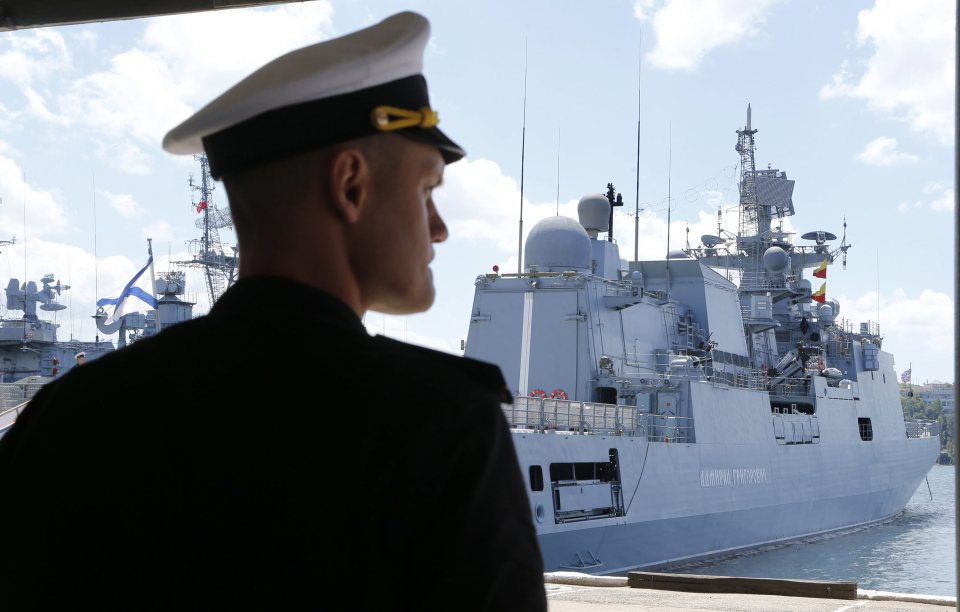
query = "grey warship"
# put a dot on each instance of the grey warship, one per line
(697, 405)
(30, 353)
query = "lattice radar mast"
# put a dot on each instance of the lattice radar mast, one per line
(220, 268)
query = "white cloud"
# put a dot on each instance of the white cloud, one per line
(28, 58)
(944, 198)
(481, 204)
(159, 231)
(8, 118)
(88, 38)
(31, 56)
(481, 198)
(210, 51)
(44, 214)
(907, 206)
(915, 329)
(911, 74)
(6, 149)
(941, 196)
(37, 106)
(180, 63)
(475, 199)
(131, 102)
(643, 8)
(686, 30)
(946, 201)
(124, 155)
(883, 151)
(123, 204)
(934, 187)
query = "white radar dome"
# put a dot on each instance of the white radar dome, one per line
(825, 312)
(804, 285)
(557, 244)
(594, 213)
(835, 305)
(776, 260)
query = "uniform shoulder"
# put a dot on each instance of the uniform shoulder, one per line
(465, 369)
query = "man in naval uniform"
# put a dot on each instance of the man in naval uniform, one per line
(272, 454)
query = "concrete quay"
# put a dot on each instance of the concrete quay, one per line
(576, 592)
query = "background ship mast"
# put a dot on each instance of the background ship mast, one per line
(749, 209)
(220, 269)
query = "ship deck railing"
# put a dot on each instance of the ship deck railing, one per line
(791, 386)
(922, 428)
(760, 280)
(8, 416)
(612, 287)
(653, 367)
(558, 416)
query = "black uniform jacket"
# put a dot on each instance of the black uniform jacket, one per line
(270, 455)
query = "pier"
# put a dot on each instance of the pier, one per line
(576, 592)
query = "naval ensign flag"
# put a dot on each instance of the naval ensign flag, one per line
(136, 296)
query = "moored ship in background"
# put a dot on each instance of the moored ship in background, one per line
(712, 401)
(31, 354)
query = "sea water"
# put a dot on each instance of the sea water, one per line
(912, 553)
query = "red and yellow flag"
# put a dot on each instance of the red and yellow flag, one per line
(820, 295)
(821, 272)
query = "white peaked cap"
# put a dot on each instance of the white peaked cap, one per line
(363, 83)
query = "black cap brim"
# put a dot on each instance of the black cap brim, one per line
(450, 150)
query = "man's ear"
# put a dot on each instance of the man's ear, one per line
(350, 182)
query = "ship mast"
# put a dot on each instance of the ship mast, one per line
(749, 207)
(220, 269)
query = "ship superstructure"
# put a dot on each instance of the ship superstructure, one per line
(707, 402)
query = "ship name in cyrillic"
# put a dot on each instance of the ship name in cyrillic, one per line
(731, 477)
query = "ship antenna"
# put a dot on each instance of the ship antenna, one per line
(558, 172)
(96, 275)
(843, 243)
(523, 148)
(23, 181)
(70, 297)
(636, 213)
(669, 196)
(153, 283)
(669, 170)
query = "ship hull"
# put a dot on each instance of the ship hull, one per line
(739, 487)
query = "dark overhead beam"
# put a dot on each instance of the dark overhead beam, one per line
(20, 14)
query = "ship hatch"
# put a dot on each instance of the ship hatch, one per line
(586, 490)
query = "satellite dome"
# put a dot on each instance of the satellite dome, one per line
(803, 285)
(557, 244)
(594, 213)
(835, 305)
(825, 312)
(677, 254)
(775, 259)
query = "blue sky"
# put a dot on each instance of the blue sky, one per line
(854, 100)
